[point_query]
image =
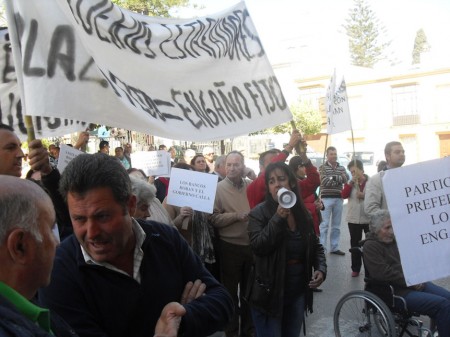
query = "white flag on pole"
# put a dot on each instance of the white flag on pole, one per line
(338, 113)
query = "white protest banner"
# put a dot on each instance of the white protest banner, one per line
(66, 154)
(11, 111)
(338, 112)
(193, 189)
(418, 199)
(153, 163)
(190, 79)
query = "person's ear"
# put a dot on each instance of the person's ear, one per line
(18, 245)
(132, 204)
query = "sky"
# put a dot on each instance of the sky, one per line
(311, 30)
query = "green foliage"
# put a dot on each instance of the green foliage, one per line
(420, 45)
(151, 7)
(306, 118)
(365, 36)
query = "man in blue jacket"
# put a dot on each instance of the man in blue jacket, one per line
(115, 275)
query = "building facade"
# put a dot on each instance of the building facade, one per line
(409, 105)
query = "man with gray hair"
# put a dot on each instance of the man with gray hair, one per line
(208, 153)
(188, 155)
(382, 262)
(148, 207)
(219, 167)
(27, 250)
(230, 218)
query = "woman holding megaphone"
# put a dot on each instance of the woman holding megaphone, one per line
(289, 259)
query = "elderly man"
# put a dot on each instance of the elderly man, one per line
(375, 198)
(230, 218)
(208, 153)
(188, 155)
(27, 250)
(382, 261)
(115, 275)
(219, 167)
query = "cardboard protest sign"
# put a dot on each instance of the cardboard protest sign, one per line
(194, 189)
(66, 154)
(190, 79)
(418, 199)
(153, 163)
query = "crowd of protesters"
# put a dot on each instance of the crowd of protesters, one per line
(130, 263)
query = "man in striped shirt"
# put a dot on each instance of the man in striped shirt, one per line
(332, 178)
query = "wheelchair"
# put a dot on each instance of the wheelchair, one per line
(377, 312)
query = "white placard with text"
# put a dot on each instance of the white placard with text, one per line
(418, 198)
(153, 163)
(66, 154)
(194, 189)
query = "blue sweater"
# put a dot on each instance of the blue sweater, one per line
(97, 301)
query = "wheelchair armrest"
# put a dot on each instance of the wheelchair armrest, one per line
(386, 292)
(402, 301)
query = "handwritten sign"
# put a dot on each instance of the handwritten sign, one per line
(194, 189)
(66, 154)
(418, 198)
(189, 79)
(153, 163)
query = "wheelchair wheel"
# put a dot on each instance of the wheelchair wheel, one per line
(361, 313)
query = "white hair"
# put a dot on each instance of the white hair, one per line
(21, 203)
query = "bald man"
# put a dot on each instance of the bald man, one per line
(27, 250)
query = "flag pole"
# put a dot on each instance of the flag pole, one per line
(30, 128)
(321, 168)
(299, 148)
(354, 157)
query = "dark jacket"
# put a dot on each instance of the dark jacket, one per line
(97, 301)
(14, 324)
(382, 263)
(51, 184)
(268, 234)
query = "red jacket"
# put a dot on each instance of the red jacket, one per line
(311, 207)
(256, 191)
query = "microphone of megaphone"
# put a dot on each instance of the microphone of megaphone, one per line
(286, 198)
